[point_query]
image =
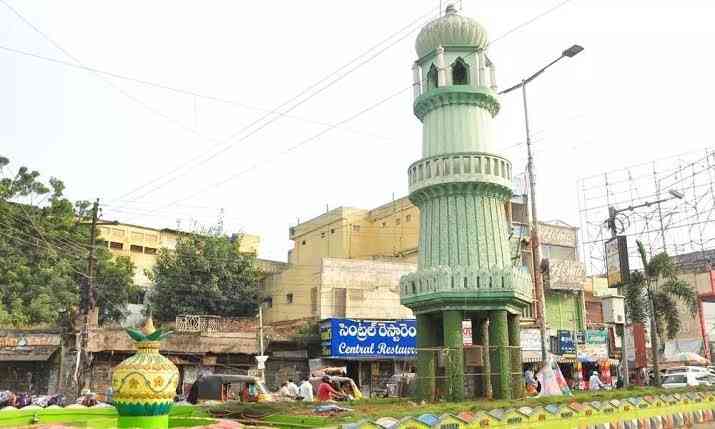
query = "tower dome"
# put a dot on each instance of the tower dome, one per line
(451, 29)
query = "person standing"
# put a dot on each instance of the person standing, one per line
(595, 383)
(305, 390)
(292, 389)
(530, 381)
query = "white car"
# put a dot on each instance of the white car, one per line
(681, 369)
(685, 379)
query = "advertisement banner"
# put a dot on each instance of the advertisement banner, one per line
(467, 332)
(566, 342)
(387, 339)
(595, 346)
(617, 260)
(530, 344)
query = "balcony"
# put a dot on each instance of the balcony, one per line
(466, 287)
(459, 167)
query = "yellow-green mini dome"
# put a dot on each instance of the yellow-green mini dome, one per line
(451, 29)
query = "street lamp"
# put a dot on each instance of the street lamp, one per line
(536, 256)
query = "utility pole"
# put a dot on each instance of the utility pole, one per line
(535, 246)
(624, 347)
(88, 303)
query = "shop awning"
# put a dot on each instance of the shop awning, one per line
(27, 354)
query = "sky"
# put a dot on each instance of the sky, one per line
(641, 89)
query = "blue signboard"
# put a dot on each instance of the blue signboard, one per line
(566, 343)
(384, 339)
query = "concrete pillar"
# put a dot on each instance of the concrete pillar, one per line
(426, 359)
(499, 341)
(517, 380)
(454, 356)
(482, 330)
(441, 68)
(416, 80)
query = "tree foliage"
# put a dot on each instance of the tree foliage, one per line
(657, 283)
(43, 254)
(205, 274)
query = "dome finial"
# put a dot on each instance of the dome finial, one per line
(451, 9)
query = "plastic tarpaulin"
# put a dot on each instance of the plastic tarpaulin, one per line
(552, 380)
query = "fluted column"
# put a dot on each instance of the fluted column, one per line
(499, 342)
(454, 358)
(517, 381)
(426, 359)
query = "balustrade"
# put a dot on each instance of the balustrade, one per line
(458, 166)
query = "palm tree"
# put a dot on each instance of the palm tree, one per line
(653, 294)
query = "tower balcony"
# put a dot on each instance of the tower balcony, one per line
(466, 288)
(459, 168)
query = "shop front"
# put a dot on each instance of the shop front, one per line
(593, 357)
(372, 351)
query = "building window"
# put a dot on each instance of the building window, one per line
(397, 221)
(332, 230)
(356, 228)
(408, 218)
(289, 298)
(116, 246)
(460, 72)
(135, 248)
(384, 224)
(432, 77)
(322, 235)
(269, 302)
(303, 243)
(150, 250)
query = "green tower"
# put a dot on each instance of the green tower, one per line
(462, 187)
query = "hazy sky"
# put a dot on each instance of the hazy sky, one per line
(642, 89)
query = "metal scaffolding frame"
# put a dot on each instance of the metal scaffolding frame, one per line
(679, 225)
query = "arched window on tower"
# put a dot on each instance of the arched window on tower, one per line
(432, 77)
(460, 72)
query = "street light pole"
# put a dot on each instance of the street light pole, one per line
(535, 246)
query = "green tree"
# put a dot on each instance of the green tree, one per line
(43, 255)
(653, 294)
(205, 274)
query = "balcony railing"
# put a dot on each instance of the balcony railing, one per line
(207, 324)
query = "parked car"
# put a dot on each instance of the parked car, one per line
(680, 369)
(686, 379)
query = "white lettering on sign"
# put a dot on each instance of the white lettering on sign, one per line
(363, 332)
(565, 274)
(376, 349)
(557, 235)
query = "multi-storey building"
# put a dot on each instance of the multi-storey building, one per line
(141, 244)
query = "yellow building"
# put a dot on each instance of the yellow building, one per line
(141, 244)
(347, 262)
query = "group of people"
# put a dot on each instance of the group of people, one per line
(533, 386)
(290, 390)
(326, 391)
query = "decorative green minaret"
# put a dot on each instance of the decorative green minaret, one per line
(462, 187)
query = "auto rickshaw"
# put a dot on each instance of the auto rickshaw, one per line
(337, 382)
(225, 387)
